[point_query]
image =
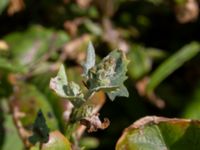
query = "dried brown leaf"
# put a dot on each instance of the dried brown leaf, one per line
(15, 6)
(72, 26)
(93, 123)
(151, 97)
(187, 12)
(73, 49)
(83, 3)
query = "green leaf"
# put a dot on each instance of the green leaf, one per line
(3, 5)
(109, 75)
(8, 65)
(9, 135)
(192, 109)
(65, 89)
(158, 133)
(121, 91)
(89, 142)
(140, 62)
(29, 100)
(40, 130)
(90, 59)
(57, 141)
(171, 64)
(30, 46)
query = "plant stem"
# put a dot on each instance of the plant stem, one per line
(78, 113)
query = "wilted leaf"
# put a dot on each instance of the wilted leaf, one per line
(93, 123)
(158, 133)
(109, 75)
(40, 130)
(171, 64)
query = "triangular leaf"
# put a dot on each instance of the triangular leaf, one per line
(40, 130)
(59, 82)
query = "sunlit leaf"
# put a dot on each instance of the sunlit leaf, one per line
(158, 133)
(171, 64)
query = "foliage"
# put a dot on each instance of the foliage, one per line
(161, 133)
(107, 76)
(159, 37)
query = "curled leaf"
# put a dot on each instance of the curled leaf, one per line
(93, 123)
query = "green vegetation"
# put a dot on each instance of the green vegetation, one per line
(62, 61)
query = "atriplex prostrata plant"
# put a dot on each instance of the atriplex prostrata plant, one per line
(108, 76)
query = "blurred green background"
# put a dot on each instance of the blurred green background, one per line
(161, 39)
